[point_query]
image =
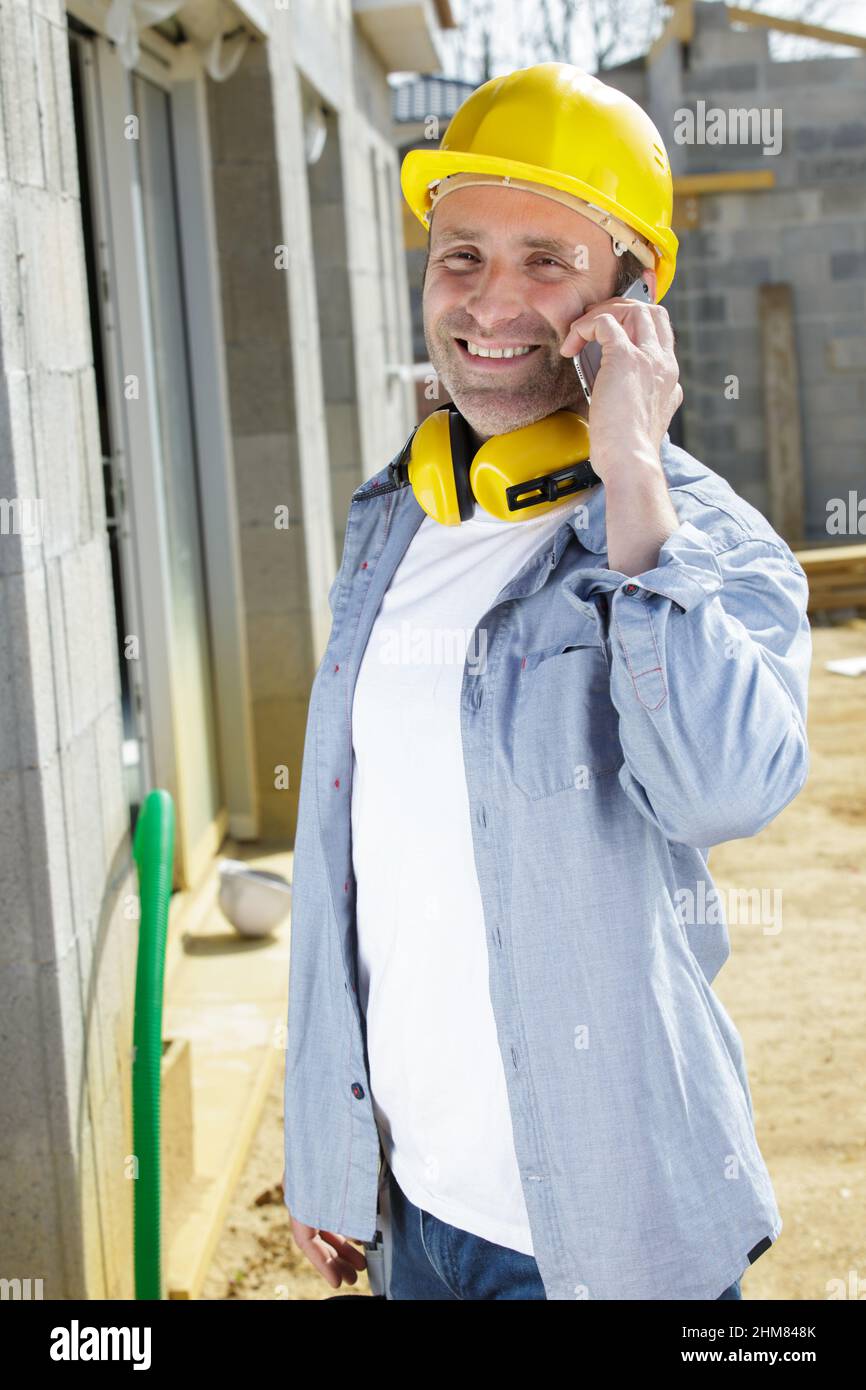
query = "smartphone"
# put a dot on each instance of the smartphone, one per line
(587, 363)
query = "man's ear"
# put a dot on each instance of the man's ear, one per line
(651, 278)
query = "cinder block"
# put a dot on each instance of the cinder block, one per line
(268, 466)
(68, 232)
(246, 209)
(274, 568)
(243, 118)
(79, 771)
(832, 169)
(259, 304)
(842, 394)
(18, 477)
(47, 103)
(718, 47)
(280, 655)
(842, 469)
(58, 459)
(91, 445)
(827, 301)
(53, 10)
(708, 82)
(810, 138)
(103, 625)
(819, 74)
(843, 201)
(344, 481)
(338, 370)
(108, 736)
(65, 112)
(20, 99)
(847, 354)
(851, 135)
(328, 230)
(27, 1125)
(344, 441)
(749, 432)
(280, 726)
(260, 387)
(50, 269)
(842, 427)
(848, 265)
(772, 208)
(335, 305)
(86, 698)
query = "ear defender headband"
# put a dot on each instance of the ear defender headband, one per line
(514, 476)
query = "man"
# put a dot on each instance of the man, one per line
(501, 1026)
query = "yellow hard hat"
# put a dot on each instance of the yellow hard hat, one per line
(557, 126)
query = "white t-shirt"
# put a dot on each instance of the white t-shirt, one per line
(436, 1074)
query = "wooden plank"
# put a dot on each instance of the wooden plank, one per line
(736, 15)
(782, 410)
(831, 554)
(836, 575)
(680, 26)
(732, 182)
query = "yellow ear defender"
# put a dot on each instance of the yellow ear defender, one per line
(514, 476)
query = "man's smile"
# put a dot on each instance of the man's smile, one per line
(494, 356)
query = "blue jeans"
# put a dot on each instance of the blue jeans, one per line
(432, 1259)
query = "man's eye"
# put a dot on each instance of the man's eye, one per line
(551, 260)
(455, 255)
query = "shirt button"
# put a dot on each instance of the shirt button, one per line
(357, 1090)
(629, 588)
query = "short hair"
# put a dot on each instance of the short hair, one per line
(628, 270)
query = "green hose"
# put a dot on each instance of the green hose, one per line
(153, 849)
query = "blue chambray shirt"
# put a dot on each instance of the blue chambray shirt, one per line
(680, 695)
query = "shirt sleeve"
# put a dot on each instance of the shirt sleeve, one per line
(710, 654)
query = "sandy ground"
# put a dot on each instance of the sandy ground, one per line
(796, 996)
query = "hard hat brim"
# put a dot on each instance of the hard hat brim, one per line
(422, 167)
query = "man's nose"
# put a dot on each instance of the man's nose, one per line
(496, 298)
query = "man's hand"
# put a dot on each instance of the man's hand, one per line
(637, 387)
(333, 1256)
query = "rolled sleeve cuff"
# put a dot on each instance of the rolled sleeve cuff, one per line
(687, 571)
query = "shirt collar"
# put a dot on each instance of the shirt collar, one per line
(587, 520)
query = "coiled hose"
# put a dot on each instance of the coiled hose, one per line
(153, 850)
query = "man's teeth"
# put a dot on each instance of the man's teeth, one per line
(496, 352)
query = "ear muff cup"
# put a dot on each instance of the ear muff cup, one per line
(448, 474)
(532, 452)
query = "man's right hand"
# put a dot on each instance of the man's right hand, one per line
(333, 1256)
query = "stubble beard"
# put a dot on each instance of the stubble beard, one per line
(550, 383)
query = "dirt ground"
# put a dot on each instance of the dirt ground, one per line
(796, 995)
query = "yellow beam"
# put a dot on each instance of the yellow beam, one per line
(794, 26)
(685, 185)
(680, 25)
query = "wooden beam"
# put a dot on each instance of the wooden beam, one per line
(794, 26)
(685, 185)
(781, 410)
(836, 575)
(680, 25)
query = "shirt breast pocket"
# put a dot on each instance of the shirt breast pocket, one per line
(566, 727)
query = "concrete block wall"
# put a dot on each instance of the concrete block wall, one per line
(265, 427)
(313, 409)
(809, 230)
(377, 262)
(67, 950)
(336, 324)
